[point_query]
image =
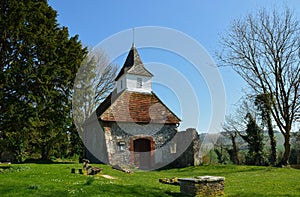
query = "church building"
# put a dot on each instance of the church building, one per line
(132, 126)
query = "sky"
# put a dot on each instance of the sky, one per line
(190, 91)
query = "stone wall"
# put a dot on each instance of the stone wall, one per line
(119, 138)
(95, 142)
(203, 186)
(191, 155)
(113, 144)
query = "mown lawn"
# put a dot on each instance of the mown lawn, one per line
(57, 180)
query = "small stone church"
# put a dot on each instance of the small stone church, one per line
(133, 127)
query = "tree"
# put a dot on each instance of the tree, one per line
(242, 125)
(94, 82)
(264, 49)
(39, 61)
(254, 137)
(220, 148)
(295, 152)
(231, 131)
(264, 105)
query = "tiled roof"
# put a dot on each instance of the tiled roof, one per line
(133, 65)
(135, 107)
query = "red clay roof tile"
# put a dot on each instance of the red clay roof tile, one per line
(135, 107)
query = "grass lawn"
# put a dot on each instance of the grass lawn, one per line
(57, 180)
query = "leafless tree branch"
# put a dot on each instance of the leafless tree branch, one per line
(264, 49)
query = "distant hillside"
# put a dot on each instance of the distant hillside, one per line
(226, 141)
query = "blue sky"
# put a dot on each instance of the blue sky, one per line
(204, 21)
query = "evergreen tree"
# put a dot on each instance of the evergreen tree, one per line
(264, 104)
(39, 61)
(295, 153)
(254, 137)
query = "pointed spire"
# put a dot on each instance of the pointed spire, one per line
(133, 64)
(133, 58)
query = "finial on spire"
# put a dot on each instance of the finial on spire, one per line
(133, 37)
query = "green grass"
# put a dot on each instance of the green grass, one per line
(57, 180)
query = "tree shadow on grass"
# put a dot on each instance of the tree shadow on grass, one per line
(45, 161)
(259, 195)
(54, 193)
(247, 170)
(219, 172)
(176, 194)
(30, 191)
(138, 190)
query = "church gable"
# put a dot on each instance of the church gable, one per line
(133, 99)
(137, 107)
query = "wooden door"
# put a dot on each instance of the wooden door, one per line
(142, 153)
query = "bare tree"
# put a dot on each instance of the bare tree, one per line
(234, 124)
(264, 49)
(231, 132)
(94, 82)
(221, 148)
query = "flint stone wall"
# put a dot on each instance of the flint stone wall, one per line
(111, 143)
(123, 132)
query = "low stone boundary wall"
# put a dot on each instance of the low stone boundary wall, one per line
(202, 186)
